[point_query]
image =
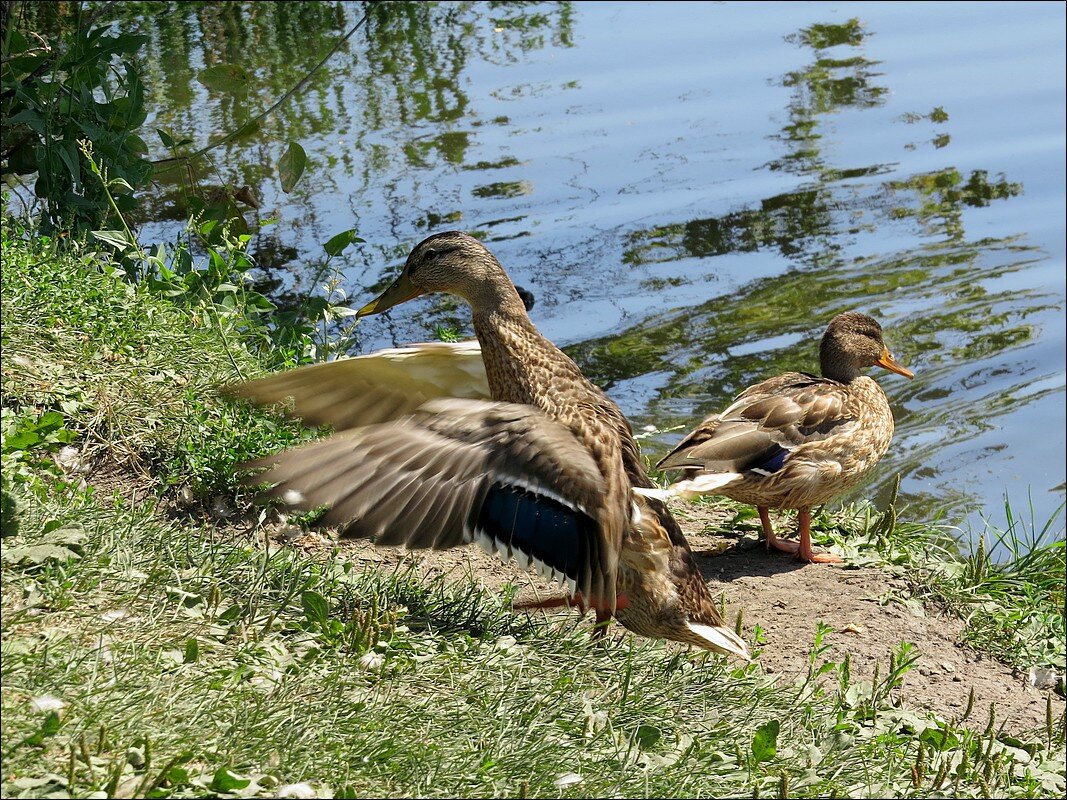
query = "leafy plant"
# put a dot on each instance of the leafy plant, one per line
(26, 444)
(321, 324)
(54, 94)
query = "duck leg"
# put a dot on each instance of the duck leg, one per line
(804, 552)
(603, 616)
(551, 602)
(768, 531)
(600, 627)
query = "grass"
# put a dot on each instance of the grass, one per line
(1013, 608)
(178, 653)
(133, 373)
(147, 653)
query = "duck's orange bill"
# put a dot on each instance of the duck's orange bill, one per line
(400, 291)
(890, 364)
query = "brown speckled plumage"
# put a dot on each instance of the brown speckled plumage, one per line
(797, 440)
(636, 566)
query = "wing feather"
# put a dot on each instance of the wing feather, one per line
(457, 471)
(373, 388)
(778, 414)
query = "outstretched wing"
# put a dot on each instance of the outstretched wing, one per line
(764, 424)
(378, 387)
(458, 471)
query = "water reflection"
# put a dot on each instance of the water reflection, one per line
(515, 119)
(364, 129)
(703, 355)
(803, 224)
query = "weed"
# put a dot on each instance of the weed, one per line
(55, 95)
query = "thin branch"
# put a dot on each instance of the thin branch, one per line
(299, 85)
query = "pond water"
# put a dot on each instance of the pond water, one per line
(691, 191)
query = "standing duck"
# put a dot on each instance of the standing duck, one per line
(796, 440)
(542, 470)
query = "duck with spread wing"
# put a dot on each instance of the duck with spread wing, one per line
(504, 443)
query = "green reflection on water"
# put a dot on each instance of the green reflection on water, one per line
(395, 105)
(962, 323)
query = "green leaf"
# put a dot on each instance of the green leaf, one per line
(115, 239)
(942, 740)
(31, 118)
(135, 144)
(17, 43)
(249, 128)
(192, 650)
(316, 609)
(11, 507)
(48, 729)
(128, 113)
(338, 243)
(169, 140)
(126, 43)
(647, 736)
(291, 166)
(226, 781)
(23, 440)
(50, 421)
(765, 742)
(51, 525)
(120, 183)
(224, 78)
(68, 154)
(231, 614)
(23, 160)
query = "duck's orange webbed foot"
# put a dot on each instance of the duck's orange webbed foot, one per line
(805, 551)
(785, 545)
(802, 549)
(812, 557)
(773, 542)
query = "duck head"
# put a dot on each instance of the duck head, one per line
(853, 342)
(455, 263)
(684, 622)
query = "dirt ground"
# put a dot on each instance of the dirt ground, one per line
(786, 599)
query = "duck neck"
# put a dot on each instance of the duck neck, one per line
(509, 344)
(496, 297)
(836, 366)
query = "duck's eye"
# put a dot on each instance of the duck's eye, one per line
(429, 252)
